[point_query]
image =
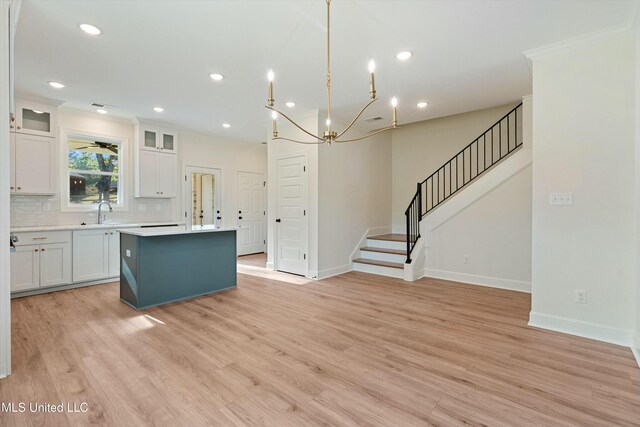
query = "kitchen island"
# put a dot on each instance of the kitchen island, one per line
(162, 265)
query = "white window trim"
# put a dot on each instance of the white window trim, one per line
(123, 167)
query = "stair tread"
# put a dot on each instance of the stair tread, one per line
(390, 237)
(384, 250)
(380, 263)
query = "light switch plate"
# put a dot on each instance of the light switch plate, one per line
(560, 199)
(127, 252)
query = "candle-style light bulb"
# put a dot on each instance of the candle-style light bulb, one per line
(328, 122)
(394, 104)
(270, 77)
(372, 82)
(274, 116)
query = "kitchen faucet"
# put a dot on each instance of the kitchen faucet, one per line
(100, 216)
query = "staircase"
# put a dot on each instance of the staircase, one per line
(390, 254)
(383, 255)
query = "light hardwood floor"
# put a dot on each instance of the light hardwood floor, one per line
(354, 349)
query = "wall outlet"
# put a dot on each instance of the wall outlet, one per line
(466, 259)
(347, 203)
(46, 207)
(560, 199)
(142, 207)
(581, 296)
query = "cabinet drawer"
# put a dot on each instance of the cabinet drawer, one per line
(43, 238)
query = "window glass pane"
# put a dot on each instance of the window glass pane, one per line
(87, 188)
(93, 170)
(149, 139)
(93, 155)
(36, 120)
(167, 142)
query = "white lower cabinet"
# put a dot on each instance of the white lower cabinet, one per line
(96, 254)
(40, 266)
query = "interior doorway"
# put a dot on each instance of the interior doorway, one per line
(251, 213)
(202, 196)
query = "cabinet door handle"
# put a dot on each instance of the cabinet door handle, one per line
(13, 188)
(19, 188)
(36, 250)
(38, 238)
(239, 217)
(106, 234)
(19, 127)
(42, 249)
(111, 234)
(11, 126)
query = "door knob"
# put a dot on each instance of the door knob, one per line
(218, 217)
(278, 220)
(239, 217)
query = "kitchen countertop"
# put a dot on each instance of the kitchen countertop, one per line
(167, 231)
(92, 226)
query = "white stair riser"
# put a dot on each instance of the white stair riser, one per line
(381, 256)
(386, 244)
(377, 269)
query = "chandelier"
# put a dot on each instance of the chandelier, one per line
(329, 134)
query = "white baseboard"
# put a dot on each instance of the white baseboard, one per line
(581, 329)
(270, 266)
(492, 282)
(335, 271)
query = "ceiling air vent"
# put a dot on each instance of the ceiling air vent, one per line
(95, 104)
(373, 119)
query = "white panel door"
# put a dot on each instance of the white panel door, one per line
(90, 255)
(291, 224)
(55, 264)
(114, 253)
(250, 213)
(25, 268)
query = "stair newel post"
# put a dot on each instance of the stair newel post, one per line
(419, 209)
(408, 221)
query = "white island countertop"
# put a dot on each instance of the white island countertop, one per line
(167, 231)
(73, 227)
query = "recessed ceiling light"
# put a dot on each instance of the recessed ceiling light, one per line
(404, 55)
(56, 85)
(290, 104)
(226, 125)
(158, 109)
(90, 29)
(217, 77)
(102, 111)
(422, 104)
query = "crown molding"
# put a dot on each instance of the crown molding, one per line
(575, 42)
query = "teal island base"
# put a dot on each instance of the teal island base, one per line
(161, 266)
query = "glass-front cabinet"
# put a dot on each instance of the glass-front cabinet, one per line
(158, 139)
(34, 119)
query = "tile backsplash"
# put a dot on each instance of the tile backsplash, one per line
(29, 211)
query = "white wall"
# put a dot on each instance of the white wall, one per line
(583, 142)
(230, 157)
(488, 242)
(355, 195)
(5, 274)
(636, 344)
(419, 149)
(46, 210)
(281, 149)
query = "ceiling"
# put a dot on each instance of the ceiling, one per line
(467, 55)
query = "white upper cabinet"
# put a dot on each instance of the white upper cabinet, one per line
(34, 118)
(156, 162)
(157, 138)
(33, 165)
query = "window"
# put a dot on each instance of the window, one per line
(94, 172)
